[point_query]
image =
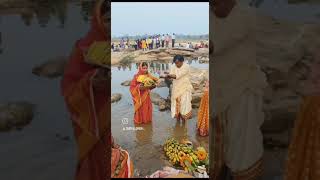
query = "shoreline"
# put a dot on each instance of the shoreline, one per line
(128, 56)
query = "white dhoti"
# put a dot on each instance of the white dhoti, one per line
(181, 92)
(182, 105)
(243, 147)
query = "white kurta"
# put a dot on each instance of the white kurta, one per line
(238, 85)
(181, 88)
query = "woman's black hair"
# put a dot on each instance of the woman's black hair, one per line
(144, 64)
(178, 58)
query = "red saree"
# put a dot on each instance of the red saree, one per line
(88, 108)
(141, 100)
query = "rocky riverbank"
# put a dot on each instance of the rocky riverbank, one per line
(162, 54)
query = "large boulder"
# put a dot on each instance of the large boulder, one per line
(116, 97)
(15, 115)
(51, 69)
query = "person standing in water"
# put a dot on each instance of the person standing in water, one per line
(237, 93)
(181, 93)
(141, 96)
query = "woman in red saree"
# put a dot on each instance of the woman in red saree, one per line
(141, 96)
(86, 95)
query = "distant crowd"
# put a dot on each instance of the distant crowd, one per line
(153, 42)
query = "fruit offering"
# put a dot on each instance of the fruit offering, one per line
(184, 155)
(146, 81)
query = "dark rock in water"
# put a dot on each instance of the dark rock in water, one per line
(162, 84)
(15, 115)
(281, 112)
(126, 83)
(155, 98)
(51, 69)
(161, 102)
(61, 137)
(196, 98)
(116, 97)
(163, 105)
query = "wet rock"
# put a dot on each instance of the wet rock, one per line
(126, 83)
(281, 111)
(15, 115)
(196, 98)
(63, 138)
(162, 84)
(51, 69)
(158, 100)
(198, 77)
(155, 98)
(116, 97)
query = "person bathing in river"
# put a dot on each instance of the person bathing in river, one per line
(141, 95)
(181, 97)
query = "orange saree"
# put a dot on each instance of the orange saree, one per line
(141, 100)
(304, 151)
(203, 115)
(89, 107)
(303, 161)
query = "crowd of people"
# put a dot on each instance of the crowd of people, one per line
(148, 43)
(154, 42)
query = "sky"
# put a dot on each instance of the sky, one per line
(139, 18)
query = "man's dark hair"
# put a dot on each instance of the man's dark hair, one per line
(178, 58)
(144, 64)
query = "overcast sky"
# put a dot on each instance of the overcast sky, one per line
(139, 18)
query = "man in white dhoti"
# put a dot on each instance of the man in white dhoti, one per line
(237, 84)
(181, 93)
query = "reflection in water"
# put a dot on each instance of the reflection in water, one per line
(45, 10)
(180, 127)
(154, 67)
(144, 136)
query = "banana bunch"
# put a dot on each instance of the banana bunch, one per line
(99, 53)
(177, 152)
(145, 80)
(171, 149)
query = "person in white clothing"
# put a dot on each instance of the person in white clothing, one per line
(181, 94)
(173, 39)
(238, 85)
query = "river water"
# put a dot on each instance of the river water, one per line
(145, 145)
(36, 152)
